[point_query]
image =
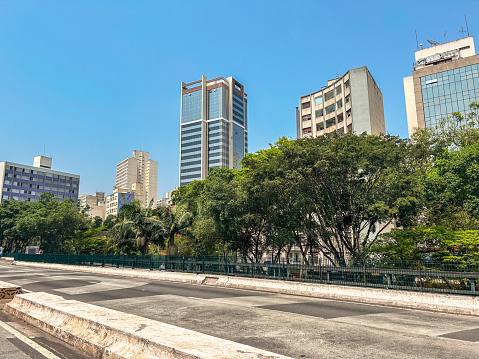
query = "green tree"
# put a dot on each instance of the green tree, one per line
(136, 226)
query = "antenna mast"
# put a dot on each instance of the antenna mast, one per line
(467, 28)
(417, 43)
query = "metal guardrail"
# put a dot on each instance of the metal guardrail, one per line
(425, 276)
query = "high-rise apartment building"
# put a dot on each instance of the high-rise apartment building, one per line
(445, 79)
(26, 183)
(139, 174)
(352, 102)
(213, 126)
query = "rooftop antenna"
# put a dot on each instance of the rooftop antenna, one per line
(433, 42)
(445, 40)
(417, 43)
(467, 28)
(462, 31)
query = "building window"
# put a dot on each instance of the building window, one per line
(339, 104)
(346, 84)
(307, 130)
(306, 105)
(320, 126)
(348, 113)
(338, 90)
(306, 118)
(330, 123)
(318, 100)
(330, 109)
(329, 95)
(350, 127)
(348, 98)
(318, 113)
(340, 117)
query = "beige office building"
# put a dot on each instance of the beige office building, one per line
(445, 79)
(352, 102)
(139, 174)
(96, 204)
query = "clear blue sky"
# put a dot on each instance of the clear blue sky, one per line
(94, 80)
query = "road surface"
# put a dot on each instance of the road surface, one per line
(296, 326)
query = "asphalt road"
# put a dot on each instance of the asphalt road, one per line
(296, 326)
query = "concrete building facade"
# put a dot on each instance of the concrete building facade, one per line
(213, 126)
(352, 102)
(445, 79)
(96, 204)
(119, 197)
(25, 183)
(139, 174)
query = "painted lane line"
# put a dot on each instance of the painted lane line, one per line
(46, 353)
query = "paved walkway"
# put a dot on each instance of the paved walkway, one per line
(295, 326)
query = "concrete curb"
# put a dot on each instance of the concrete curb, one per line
(106, 333)
(9, 290)
(447, 303)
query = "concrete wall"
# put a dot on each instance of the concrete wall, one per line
(410, 98)
(2, 178)
(105, 333)
(376, 108)
(451, 45)
(360, 100)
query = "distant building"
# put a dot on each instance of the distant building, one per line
(167, 201)
(213, 126)
(352, 102)
(445, 79)
(96, 204)
(118, 199)
(27, 183)
(139, 174)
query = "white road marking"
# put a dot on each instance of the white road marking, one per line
(48, 354)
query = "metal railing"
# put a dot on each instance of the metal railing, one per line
(425, 276)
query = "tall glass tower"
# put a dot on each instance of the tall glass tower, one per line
(214, 128)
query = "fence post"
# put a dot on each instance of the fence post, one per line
(226, 265)
(183, 264)
(420, 274)
(473, 284)
(252, 269)
(328, 276)
(364, 272)
(390, 280)
(151, 267)
(203, 264)
(166, 262)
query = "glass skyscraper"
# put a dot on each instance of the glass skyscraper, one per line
(213, 126)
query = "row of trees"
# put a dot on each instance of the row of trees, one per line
(63, 227)
(335, 195)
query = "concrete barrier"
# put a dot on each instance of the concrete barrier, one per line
(448, 303)
(106, 333)
(9, 290)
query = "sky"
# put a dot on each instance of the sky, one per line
(87, 82)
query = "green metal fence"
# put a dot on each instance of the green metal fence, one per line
(426, 276)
